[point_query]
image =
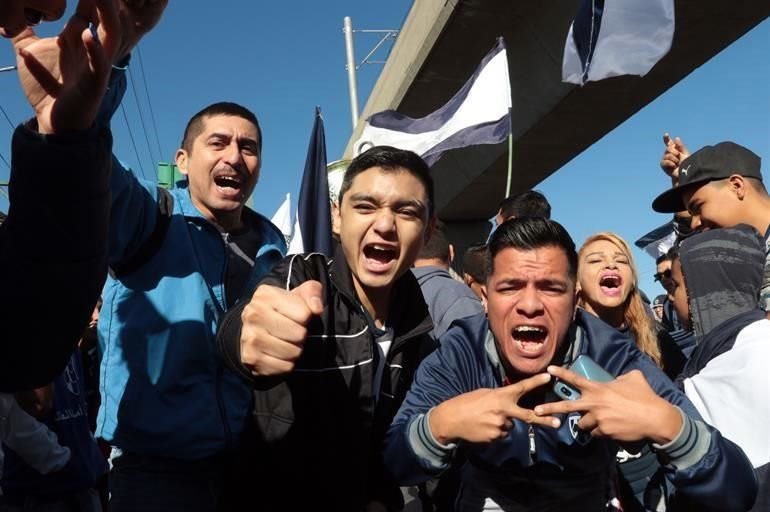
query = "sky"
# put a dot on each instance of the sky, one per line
(282, 59)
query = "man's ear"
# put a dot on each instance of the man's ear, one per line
(738, 186)
(484, 299)
(451, 253)
(336, 218)
(181, 160)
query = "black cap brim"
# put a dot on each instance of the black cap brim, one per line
(671, 201)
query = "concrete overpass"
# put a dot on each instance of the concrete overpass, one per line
(442, 42)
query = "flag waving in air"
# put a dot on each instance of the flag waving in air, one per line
(479, 113)
(617, 37)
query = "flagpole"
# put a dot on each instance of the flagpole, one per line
(510, 155)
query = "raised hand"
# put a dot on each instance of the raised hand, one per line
(486, 415)
(626, 409)
(676, 152)
(137, 17)
(65, 77)
(274, 327)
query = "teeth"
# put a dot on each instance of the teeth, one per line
(529, 328)
(380, 248)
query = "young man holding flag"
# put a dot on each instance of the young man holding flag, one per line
(331, 345)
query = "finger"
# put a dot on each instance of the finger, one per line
(41, 74)
(515, 391)
(528, 416)
(109, 25)
(97, 62)
(268, 366)
(284, 302)
(571, 377)
(666, 139)
(312, 293)
(280, 326)
(561, 407)
(588, 423)
(24, 38)
(255, 345)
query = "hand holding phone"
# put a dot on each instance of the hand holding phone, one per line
(585, 367)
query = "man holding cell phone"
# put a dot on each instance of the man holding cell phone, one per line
(487, 392)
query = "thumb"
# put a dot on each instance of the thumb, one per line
(312, 293)
(666, 139)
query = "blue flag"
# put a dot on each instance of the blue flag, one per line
(313, 229)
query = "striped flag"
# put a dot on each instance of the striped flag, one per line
(658, 241)
(479, 113)
(617, 37)
(313, 229)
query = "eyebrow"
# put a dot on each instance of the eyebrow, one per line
(361, 196)
(219, 135)
(598, 253)
(538, 282)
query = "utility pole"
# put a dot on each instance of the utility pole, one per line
(347, 29)
(352, 67)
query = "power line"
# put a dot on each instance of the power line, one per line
(5, 114)
(133, 142)
(141, 116)
(5, 161)
(149, 102)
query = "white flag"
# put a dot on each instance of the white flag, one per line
(617, 37)
(282, 218)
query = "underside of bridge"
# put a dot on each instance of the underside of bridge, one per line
(442, 42)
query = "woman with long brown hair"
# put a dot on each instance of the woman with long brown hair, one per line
(608, 287)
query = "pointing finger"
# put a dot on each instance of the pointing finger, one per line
(515, 391)
(571, 377)
(562, 407)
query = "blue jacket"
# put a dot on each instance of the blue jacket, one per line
(531, 462)
(165, 391)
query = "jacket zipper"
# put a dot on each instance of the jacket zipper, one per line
(220, 369)
(532, 446)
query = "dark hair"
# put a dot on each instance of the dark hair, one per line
(224, 108)
(389, 158)
(437, 247)
(672, 254)
(475, 262)
(529, 233)
(663, 257)
(526, 204)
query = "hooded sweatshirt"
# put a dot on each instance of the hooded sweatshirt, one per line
(726, 377)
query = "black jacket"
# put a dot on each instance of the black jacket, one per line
(53, 250)
(317, 434)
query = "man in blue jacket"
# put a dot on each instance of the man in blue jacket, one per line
(482, 398)
(179, 260)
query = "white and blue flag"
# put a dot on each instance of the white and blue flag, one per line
(479, 113)
(617, 37)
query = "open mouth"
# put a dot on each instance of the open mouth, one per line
(379, 257)
(530, 338)
(228, 183)
(610, 284)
